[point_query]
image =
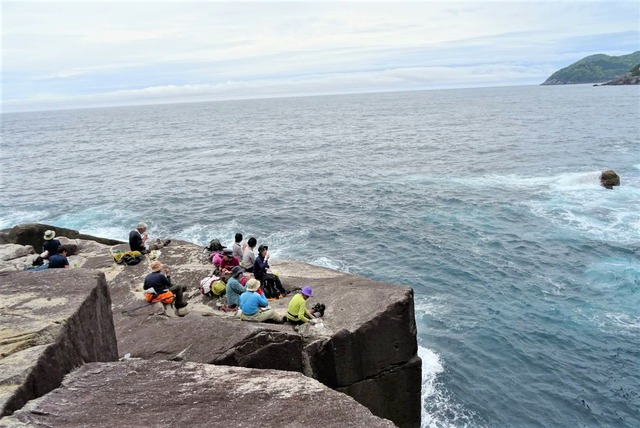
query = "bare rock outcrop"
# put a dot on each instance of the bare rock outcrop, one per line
(170, 394)
(609, 178)
(52, 321)
(366, 346)
(33, 234)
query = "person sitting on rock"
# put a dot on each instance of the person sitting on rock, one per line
(229, 261)
(160, 281)
(248, 256)
(270, 283)
(297, 312)
(234, 288)
(58, 261)
(50, 246)
(255, 306)
(237, 246)
(138, 240)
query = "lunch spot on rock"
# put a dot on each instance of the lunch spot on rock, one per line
(365, 346)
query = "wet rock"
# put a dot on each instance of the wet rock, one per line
(609, 178)
(33, 234)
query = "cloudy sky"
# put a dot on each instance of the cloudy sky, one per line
(84, 54)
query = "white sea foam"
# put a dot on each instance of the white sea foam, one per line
(13, 218)
(624, 321)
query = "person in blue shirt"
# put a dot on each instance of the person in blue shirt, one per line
(58, 261)
(254, 306)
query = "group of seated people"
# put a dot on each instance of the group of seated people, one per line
(251, 296)
(248, 296)
(53, 256)
(227, 259)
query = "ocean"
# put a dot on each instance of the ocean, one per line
(486, 201)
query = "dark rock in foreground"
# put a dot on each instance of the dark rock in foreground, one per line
(609, 178)
(169, 394)
(52, 321)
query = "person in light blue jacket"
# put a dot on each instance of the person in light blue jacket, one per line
(254, 306)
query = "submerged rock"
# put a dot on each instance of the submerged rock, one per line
(609, 178)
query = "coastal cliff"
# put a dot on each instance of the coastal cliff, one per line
(597, 68)
(366, 346)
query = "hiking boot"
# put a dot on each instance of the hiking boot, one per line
(181, 312)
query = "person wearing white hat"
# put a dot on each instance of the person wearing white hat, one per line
(254, 306)
(50, 246)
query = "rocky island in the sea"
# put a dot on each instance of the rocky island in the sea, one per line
(359, 367)
(598, 68)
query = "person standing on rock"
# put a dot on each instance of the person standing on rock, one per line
(160, 281)
(297, 312)
(254, 306)
(59, 261)
(234, 288)
(50, 245)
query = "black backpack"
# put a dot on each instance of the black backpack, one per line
(269, 288)
(214, 245)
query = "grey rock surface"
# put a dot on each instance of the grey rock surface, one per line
(170, 394)
(365, 347)
(51, 322)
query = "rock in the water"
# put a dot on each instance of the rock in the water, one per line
(609, 179)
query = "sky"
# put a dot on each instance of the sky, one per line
(76, 54)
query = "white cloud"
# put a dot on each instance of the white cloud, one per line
(86, 52)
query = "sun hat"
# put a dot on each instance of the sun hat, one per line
(49, 235)
(156, 266)
(237, 270)
(227, 252)
(307, 291)
(253, 285)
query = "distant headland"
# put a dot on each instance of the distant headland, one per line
(601, 69)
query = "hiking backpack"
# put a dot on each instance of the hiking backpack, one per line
(214, 245)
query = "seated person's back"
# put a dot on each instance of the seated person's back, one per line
(50, 245)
